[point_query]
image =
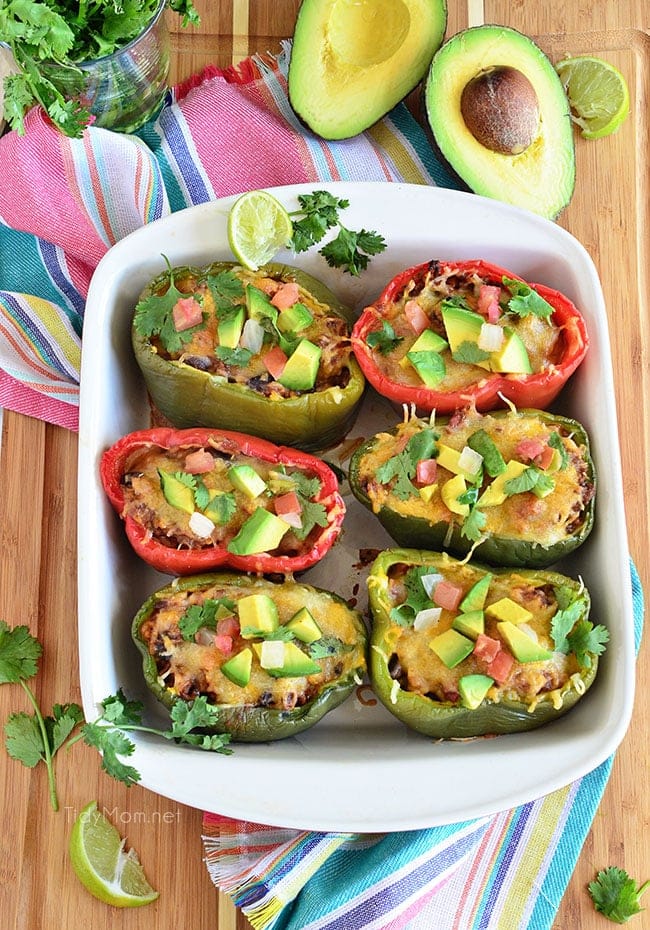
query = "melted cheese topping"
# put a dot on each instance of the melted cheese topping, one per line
(189, 668)
(523, 516)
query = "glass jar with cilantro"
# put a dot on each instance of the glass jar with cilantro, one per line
(88, 62)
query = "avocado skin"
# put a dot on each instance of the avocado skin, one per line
(540, 179)
(338, 88)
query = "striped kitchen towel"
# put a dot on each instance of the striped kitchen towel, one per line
(65, 202)
(506, 871)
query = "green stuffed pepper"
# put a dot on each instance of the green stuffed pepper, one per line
(273, 657)
(263, 352)
(517, 486)
(459, 650)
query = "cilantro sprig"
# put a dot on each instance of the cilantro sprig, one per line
(33, 738)
(108, 733)
(349, 250)
(616, 895)
(384, 339)
(570, 633)
(153, 316)
(525, 300)
(402, 467)
(39, 31)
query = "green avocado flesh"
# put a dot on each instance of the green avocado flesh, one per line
(353, 60)
(537, 170)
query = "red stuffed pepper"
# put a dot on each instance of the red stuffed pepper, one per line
(443, 335)
(194, 500)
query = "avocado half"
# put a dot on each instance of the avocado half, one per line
(353, 60)
(500, 118)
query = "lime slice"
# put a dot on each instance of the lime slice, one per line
(101, 864)
(258, 227)
(597, 92)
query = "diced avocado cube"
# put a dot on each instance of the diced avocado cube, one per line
(176, 492)
(523, 647)
(494, 495)
(472, 623)
(294, 318)
(473, 689)
(450, 492)
(301, 369)
(430, 366)
(304, 627)
(229, 329)
(258, 305)
(296, 663)
(238, 669)
(507, 609)
(512, 357)
(451, 647)
(461, 326)
(429, 341)
(258, 615)
(475, 597)
(246, 480)
(262, 532)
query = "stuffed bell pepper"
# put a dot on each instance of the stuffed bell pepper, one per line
(197, 499)
(460, 650)
(444, 334)
(274, 658)
(266, 353)
(515, 486)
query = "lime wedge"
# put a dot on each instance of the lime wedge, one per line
(598, 95)
(258, 227)
(101, 864)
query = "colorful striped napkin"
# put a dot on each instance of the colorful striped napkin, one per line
(63, 204)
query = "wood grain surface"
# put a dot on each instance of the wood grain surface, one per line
(610, 214)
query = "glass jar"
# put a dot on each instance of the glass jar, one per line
(125, 89)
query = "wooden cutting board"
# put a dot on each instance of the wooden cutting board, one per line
(610, 215)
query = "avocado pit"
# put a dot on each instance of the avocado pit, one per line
(501, 110)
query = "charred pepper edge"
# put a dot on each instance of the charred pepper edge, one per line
(189, 561)
(504, 551)
(446, 721)
(311, 421)
(244, 722)
(537, 390)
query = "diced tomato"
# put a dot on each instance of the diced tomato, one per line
(287, 503)
(486, 648)
(286, 296)
(546, 457)
(529, 449)
(223, 643)
(186, 313)
(500, 667)
(417, 318)
(228, 626)
(199, 462)
(426, 471)
(447, 595)
(488, 302)
(274, 361)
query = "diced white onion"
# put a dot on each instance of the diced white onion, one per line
(272, 653)
(201, 525)
(469, 461)
(430, 581)
(490, 338)
(205, 637)
(426, 619)
(252, 336)
(293, 519)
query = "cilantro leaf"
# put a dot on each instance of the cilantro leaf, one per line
(227, 290)
(525, 300)
(153, 317)
(112, 743)
(469, 353)
(384, 339)
(237, 357)
(187, 716)
(416, 599)
(221, 508)
(586, 640)
(328, 646)
(616, 895)
(205, 615)
(19, 654)
(349, 250)
(532, 479)
(117, 709)
(403, 466)
(312, 514)
(563, 622)
(555, 442)
(24, 740)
